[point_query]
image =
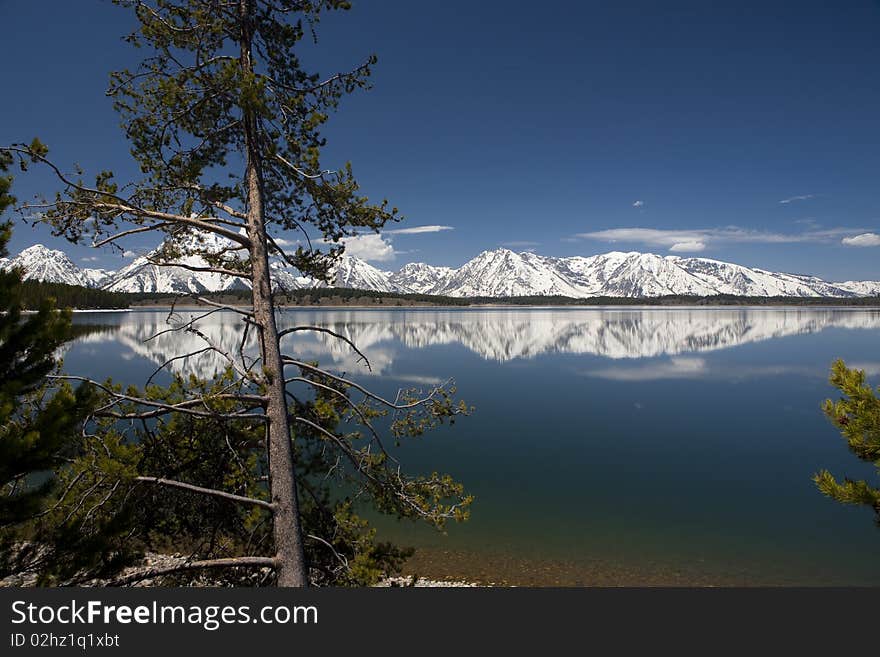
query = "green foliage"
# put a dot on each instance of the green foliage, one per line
(37, 425)
(857, 416)
(6, 199)
(104, 518)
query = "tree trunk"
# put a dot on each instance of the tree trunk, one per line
(291, 568)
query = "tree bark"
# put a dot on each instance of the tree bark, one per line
(287, 528)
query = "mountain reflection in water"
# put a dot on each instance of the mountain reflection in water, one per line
(498, 335)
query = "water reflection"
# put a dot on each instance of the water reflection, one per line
(497, 335)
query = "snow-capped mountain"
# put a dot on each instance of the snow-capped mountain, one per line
(42, 264)
(861, 288)
(504, 273)
(497, 273)
(421, 278)
(142, 275)
(355, 273)
(97, 277)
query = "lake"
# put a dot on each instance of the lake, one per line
(609, 445)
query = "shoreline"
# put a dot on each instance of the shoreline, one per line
(438, 567)
(503, 306)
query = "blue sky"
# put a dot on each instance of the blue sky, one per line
(747, 132)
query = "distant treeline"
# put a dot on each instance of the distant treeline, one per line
(347, 295)
(72, 296)
(678, 300)
(351, 296)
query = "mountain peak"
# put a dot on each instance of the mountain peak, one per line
(40, 263)
(501, 250)
(41, 250)
(496, 272)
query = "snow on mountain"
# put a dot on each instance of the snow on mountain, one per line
(630, 275)
(503, 273)
(421, 278)
(496, 273)
(728, 278)
(142, 275)
(617, 274)
(48, 266)
(96, 277)
(285, 278)
(861, 288)
(355, 273)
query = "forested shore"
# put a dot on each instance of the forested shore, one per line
(82, 298)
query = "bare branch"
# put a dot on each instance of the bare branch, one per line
(222, 306)
(173, 359)
(321, 85)
(207, 491)
(163, 408)
(203, 223)
(336, 554)
(321, 329)
(304, 174)
(298, 363)
(230, 562)
(123, 205)
(364, 420)
(125, 233)
(213, 270)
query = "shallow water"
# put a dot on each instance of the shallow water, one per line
(609, 445)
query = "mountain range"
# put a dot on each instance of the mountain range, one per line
(494, 273)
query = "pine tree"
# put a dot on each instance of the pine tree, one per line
(225, 123)
(37, 425)
(857, 415)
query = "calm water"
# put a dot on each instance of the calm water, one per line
(609, 446)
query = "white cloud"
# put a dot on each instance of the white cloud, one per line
(707, 236)
(653, 236)
(417, 230)
(284, 243)
(865, 239)
(90, 259)
(417, 379)
(376, 247)
(675, 368)
(802, 197)
(687, 367)
(870, 368)
(691, 247)
(369, 247)
(129, 254)
(639, 204)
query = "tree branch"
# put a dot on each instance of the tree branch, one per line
(400, 407)
(207, 491)
(320, 329)
(230, 562)
(213, 270)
